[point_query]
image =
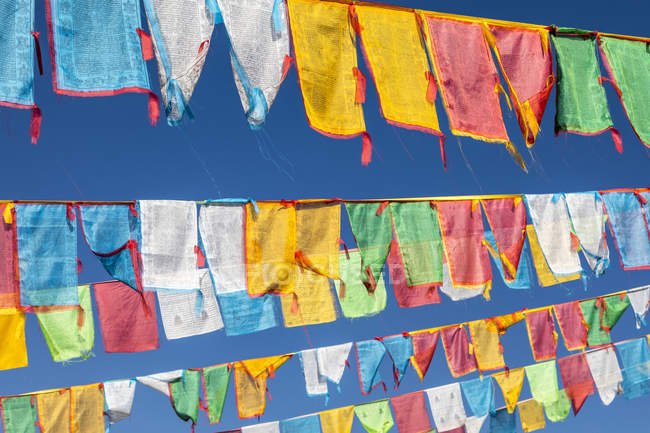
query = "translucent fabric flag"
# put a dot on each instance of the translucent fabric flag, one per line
(87, 408)
(270, 248)
(258, 52)
(397, 58)
(581, 101)
(315, 383)
(479, 394)
(9, 281)
(337, 420)
(459, 351)
(169, 244)
(47, 255)
(400, 351)
(541, 333)
(553, 228)
(545, 276)
(353, 297)
(577, 379)
(531, 414)
(502, 421)
(588, 221)
(525, 59)
(18, 45)
(215, 385)
(181, 46)
(178, 310)
(629, 226)
(446, 404)
(318, 226)
(640, 300)
(128, 320)
(326, 61)
(424, 346)
(13, 350)
(487, 347)
(558, 409)
(507, 219)
(411, 414)
(371, 226)
(267, 427)
(332, 361)
(601, 314)
(19, 414)
(510, 383)
(118, 395)
(635, 359)
(461, 223)
(54, 411)
(459, 293)
(522, 278)
(160, 381)
(375, 417)
(627, 63)
(245, 315)
(370, 353)
(606, 373)
(104, 55)
(303, 424)
(418, 235)
(469, 81)
(70, 334)
(542, 378)
(250, 383)
(572, 325)
(185, 394)
(406, 296)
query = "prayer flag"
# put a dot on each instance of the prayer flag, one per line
(337, 420)
(185, 394)
(303, 424)
(215, 385)
(400, 351)
(9, 279)
(370, 353)
(604, 368)
(488, 348)
(572, 325)
(19, 414)
(577, 379)
(54, 411)
(640, 300)
(635, 359)
(542, 378)
(446, 404)
(424, 346)
(541, 333)
(545, 277)
(353, 297)
(118, 395)
(250, 383)
(503, 421)
(601, 314)
(406, 296)
(479, 394)
(625, 211)
(411, 413)
(510, 383)
(531, 414)
(87, 409)
(375, 416)
(458, 349)
(13, 350)
(507, 219)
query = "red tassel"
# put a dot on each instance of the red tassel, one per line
(70, 212)
(345, 247)
(80, 266)
(286, 66)
(575, 242)
(200, 258)
(354, 20)
(360, 95)
(37, 45)
(618, 141)
(154, 109)
(371, 285)
(432, 88)
(294, 304)
(145, 44)
(132, 209)
(203, 45)
(366, 152)
(381, 208)
(35, 125)
(443, 154)
(81, 317)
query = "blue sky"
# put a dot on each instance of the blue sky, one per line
(104, 149)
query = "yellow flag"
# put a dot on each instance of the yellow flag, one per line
(510, 384)
(250, 383)
(87, 404)
(54, 411)
(13, 351)
(532, 415)
(485, 337)
(337, 420)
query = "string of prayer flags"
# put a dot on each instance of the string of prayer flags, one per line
(606, 373)
(47, 254)
(9, 281)
(250, 383)
(397, 58)
(169, 240)
(424, 346)
(302, 424)
(640, 300)
(13, 350)
(19, 414)
(400, 351)
(502, 421)
(185, 395)
(411, 415)
(215, 385)
(181, 47)
(111, 231)
(479, 394)
(111, 29)
(19, 41)
(353, 297)
(525, 59)
(333, 88)
(469, 81)
(510, 383)
(545, 276)
(601, 314)
(119, 395)
(446, 405)
(588, 221)
(581, 101)
(626, 61)
(128, 320)
(558, 409)
(87, 408)
(318, 227)
(541, 333)
(542, 378)
(259, 52)
(337, 420)
(486, 344)
(370, 353)
(531, 414)
(577, 379)
(375, 417)
(458, 350)
(625, 211)
(635, 359)
(572, 325)
(69, 333)
(160, 381)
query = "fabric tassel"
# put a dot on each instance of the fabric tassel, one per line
(200, 258)
(154, 109)
(146, 44)
(360, 95)
(286, 65)
(354, 20)
(575, 242)
(37, 46)
(80, 266)
(276, 17)
(514, 153)
(432, 87)
(35, 125)
(366, 151)
(443, 154)
(618, 140)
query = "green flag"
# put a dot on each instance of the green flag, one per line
(375, 416)
(216, 381)
(628, 63)
(354, 299)
(542, 378)
(185, 395)
(610, 309)
(558, 409)
(19, 414)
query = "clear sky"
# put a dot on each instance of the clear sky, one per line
(104, 149)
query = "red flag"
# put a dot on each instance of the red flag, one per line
(541, 332)
(572, 324)
(424, 346)
(411, 415)
(413, 296)
(507, 219)
(577, 379)
(460, 354)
